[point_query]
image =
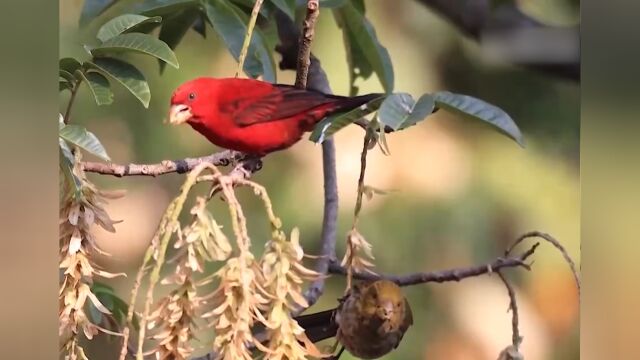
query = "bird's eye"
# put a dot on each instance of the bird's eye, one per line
(192, 96)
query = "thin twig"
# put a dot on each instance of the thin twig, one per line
(74, 91)
(553, 242)
(445, 275)
(247, 37)
(363, 169)
(516, 339)
(304, 47)
(222, 158)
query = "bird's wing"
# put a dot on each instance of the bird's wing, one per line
(318, 326)
(280, 102)
(408, 316)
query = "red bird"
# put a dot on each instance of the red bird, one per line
(252, 116)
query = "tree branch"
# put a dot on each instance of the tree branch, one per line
(222, 158)
(469, 16)
(304, 47)
(553, 242)
(440, 277)
(516, 339)
(445, 275)
(291, 48)
(476, 18)
(296, 55)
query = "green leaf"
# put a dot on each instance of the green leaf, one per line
(64, 85)
(382, 140)
(369, 191)
(120, 309)
(364, 51)
(67, 161)
(66, 165)
(142, 43)
(99, 86)
(93, 9)
(124, 23)
(200, 25)
(260, 47)
(95, 315)
(400, 111)
(359, 5)
(84, 139)
(113, 302)
(287, 6)
(164, 7)
(334, 123)
(175, 27)
(477, 109)
(135, 322)
(328, 4)
(99, 287)
(67, 76)
(231, 24)
(126, 74)
(246, 7)
(497, 3)
(70, 65)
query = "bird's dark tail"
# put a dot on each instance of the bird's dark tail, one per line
(345, 103)
(335, 104)
(318, 326)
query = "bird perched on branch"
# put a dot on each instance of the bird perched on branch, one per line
(369, 322)
(252, 116)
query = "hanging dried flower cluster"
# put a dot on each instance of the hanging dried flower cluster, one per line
(237, 302)
(250, 293)
(175, 314)
(284, 274)
(240, 298)
(78, 212)
(358, 256)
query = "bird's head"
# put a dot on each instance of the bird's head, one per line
(384, 300)
(189, 100)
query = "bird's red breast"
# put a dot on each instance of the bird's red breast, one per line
(253, 116)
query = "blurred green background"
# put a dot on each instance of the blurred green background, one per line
(462, 192)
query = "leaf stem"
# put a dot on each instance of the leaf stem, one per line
(74, 91)
(247, 37)
(363, 166)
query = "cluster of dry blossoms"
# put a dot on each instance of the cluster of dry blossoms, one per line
(250, 308)
(79, 211)
(285, 275)
(174, 315)
(358, 256)
(250, 293)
